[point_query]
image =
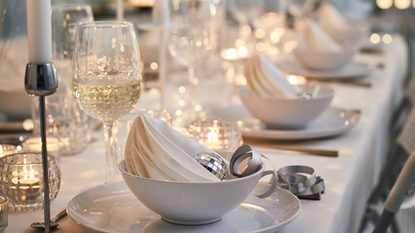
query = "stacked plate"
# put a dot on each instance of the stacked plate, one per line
(333, 122)
(113, 208)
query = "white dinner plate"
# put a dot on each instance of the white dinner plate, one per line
(334, 121)
(349, 72)
(113, 208)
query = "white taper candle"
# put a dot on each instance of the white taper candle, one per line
(120, 10)
(39, 31)
(161, 12)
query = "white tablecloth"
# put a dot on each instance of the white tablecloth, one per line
(349, 177)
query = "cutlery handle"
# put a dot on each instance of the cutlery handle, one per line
(356, 84)
(59, 216)
(323, 152)
(15, 127)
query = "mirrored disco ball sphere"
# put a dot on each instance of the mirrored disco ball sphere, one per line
(213, 163)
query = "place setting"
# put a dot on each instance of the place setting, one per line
(196, 194)
(326, 50)
(258, 117)
(307, 112)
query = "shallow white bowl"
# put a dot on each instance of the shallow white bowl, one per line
(288, 113)
(318, 60)
(190, 203)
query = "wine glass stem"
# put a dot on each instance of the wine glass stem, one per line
(110, 154)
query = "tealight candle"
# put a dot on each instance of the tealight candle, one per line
(212, 140)
(23, 183)
(7, 149)
(34, 144)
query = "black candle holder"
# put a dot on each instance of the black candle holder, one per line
(41, 80)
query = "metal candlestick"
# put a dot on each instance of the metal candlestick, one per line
(41, 80)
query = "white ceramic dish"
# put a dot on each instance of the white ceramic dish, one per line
(333, 122)
(318, 60)
(112, 208)
(191, 203)
(285, 113)
(349, 72)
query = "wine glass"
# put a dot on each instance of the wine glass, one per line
(107, 79)
(299, 9)
(246, 11)
(67, 120)
(194, 39)
(65, 19)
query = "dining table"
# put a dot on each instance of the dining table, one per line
(349, 177)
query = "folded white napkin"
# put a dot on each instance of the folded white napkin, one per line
(312, 37)
(331, 20)
(266, 80)
(156, 150)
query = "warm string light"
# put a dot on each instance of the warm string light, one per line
(384, 4)
(399, 4)
(376, 38)
(402, 4)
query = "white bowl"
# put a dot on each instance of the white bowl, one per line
(284, 113)
(190, 203)
(318, 60)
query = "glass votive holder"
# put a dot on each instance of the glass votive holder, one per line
(34, 144)
(21, 180)
(64, 120)
(7, 149)
(216, 134)
(4, 212)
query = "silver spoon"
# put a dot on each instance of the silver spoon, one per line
(53, 221)
(309, 95)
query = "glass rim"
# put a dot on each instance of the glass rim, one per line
(8, 146)
(3, 161)
(33, 140)
(145, 110)
(208, 122)
(135, 112)
(105, 24)
(71, 6)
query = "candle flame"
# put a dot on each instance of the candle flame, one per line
(213, 134)
(29, 175)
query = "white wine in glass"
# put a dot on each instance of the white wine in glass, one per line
(107, 79)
